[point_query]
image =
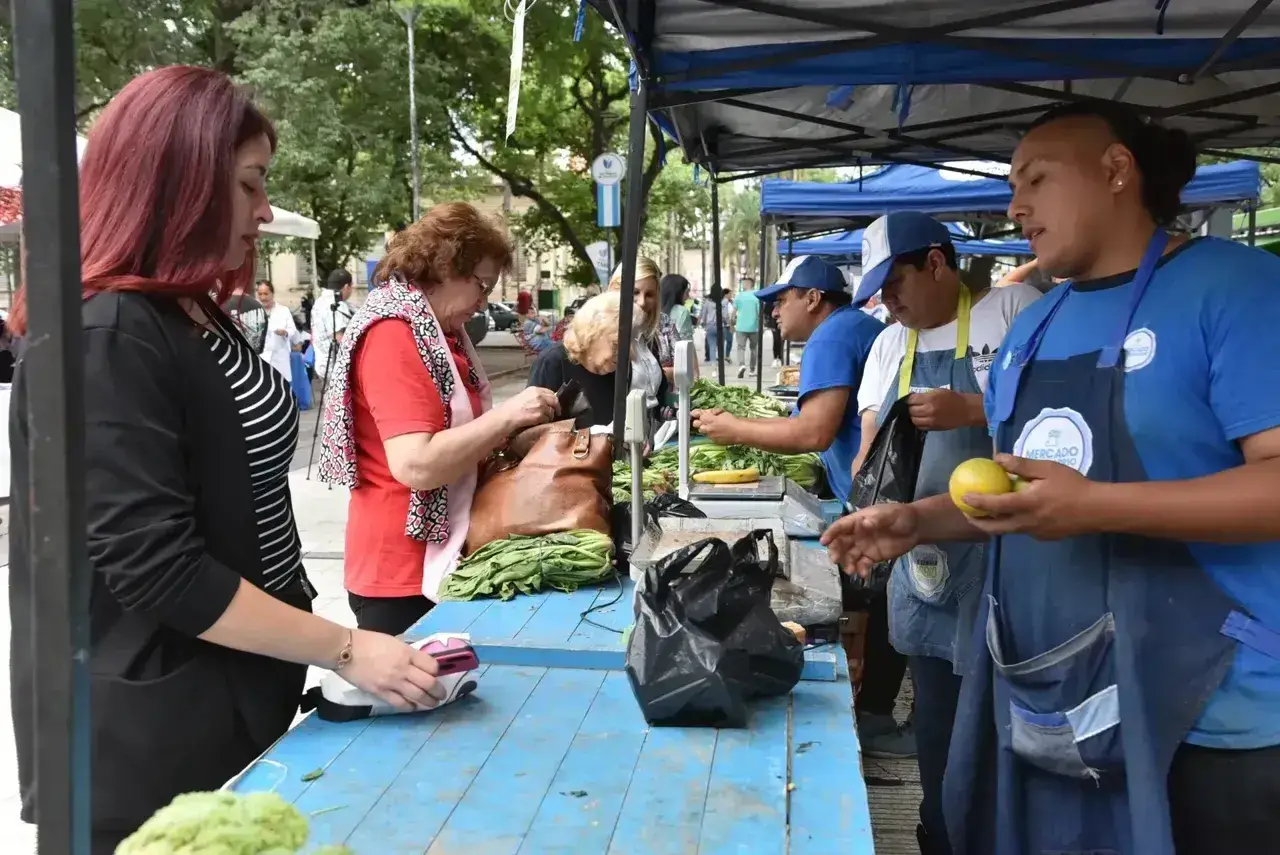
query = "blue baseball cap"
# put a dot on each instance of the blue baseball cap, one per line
(887, 238)
(805, 271)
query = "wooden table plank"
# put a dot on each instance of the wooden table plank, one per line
(412, 811)
(461, 616)
(281, 770)
(663, 811)
(578, 813)
(557, 617)
(354, 782)
(500, 620)
(616, 613)
(829, 813)
(496, 811)
(747, 798)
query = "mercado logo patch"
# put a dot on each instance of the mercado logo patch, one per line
(1060, 436)
(1139, 349)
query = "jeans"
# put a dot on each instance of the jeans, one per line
(937, 696)
(748, 347)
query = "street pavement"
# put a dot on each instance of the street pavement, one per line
(321, 514)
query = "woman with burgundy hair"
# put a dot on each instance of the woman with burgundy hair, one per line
(200, 608)
(409, 417)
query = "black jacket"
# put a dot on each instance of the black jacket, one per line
(171, 532)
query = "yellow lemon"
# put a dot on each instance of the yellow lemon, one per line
(1019, 484)
(978, 475)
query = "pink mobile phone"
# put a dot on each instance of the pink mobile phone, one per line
(453, 656)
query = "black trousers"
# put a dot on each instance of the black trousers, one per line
(389, 615)
(884, 667)
(937, 696)
(1225, 802)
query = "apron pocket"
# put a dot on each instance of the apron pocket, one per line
(1064, 710)
(1080, 743)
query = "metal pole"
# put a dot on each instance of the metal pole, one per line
(631, 215)
(716, 291)
(1253, 224)
(45, 66)
(786, 352)
(764, 260)
(410, 15)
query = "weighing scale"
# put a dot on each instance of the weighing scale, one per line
(773, 497)
(807, 589)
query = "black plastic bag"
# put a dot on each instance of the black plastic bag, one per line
(671, 505)
(888, 475)
(706, 639)
(661, 505)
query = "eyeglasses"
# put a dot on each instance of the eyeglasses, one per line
(486, 288)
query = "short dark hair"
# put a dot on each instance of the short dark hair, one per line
(920, 257)
(1165, 157)
(837, 299)
(267, 282)
(338, 279)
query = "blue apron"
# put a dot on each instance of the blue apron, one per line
(1063, 740)
(934, 590)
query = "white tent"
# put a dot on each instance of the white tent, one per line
(288, 224)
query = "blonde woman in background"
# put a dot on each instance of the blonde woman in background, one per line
(589, 356)
(653, 357)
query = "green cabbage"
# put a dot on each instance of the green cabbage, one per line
(224, 823)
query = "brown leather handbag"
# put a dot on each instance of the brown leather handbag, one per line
(563, 483)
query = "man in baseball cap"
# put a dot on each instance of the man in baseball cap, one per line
(938, 356)
(811, 303)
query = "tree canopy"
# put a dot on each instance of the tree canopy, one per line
(332, 75)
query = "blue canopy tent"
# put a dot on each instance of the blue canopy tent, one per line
(757, 87)
(849, 245)
(959, 195)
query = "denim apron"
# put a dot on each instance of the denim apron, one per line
(1063, 741)
(935, 589)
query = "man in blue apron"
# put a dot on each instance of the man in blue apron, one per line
(939, 354)
(811, 302)
(1124, 693)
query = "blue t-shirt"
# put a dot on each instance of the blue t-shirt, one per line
(748, 308)
(833, 358)
(1202, 372)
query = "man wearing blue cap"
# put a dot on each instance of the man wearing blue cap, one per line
(811, 303)
(938, 356)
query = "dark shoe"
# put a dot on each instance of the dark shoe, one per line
(883, 738)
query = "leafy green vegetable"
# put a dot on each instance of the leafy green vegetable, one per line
(709, 457)
(223, 823)
(736, 400)
(655, 480)
(521, 564)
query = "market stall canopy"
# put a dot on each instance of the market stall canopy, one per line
(288, 224)
(959, 195)
(849, 245)
(765, 85)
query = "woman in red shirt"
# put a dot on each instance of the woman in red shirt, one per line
(410, 418)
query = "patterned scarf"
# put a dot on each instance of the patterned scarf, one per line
(428, 518)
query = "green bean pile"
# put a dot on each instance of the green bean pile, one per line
(735, 400)
(522, 564)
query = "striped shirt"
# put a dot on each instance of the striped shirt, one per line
(269, 415)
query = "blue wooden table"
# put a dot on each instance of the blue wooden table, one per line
(552, 755)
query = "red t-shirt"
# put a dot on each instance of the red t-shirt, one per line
(393, 394)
